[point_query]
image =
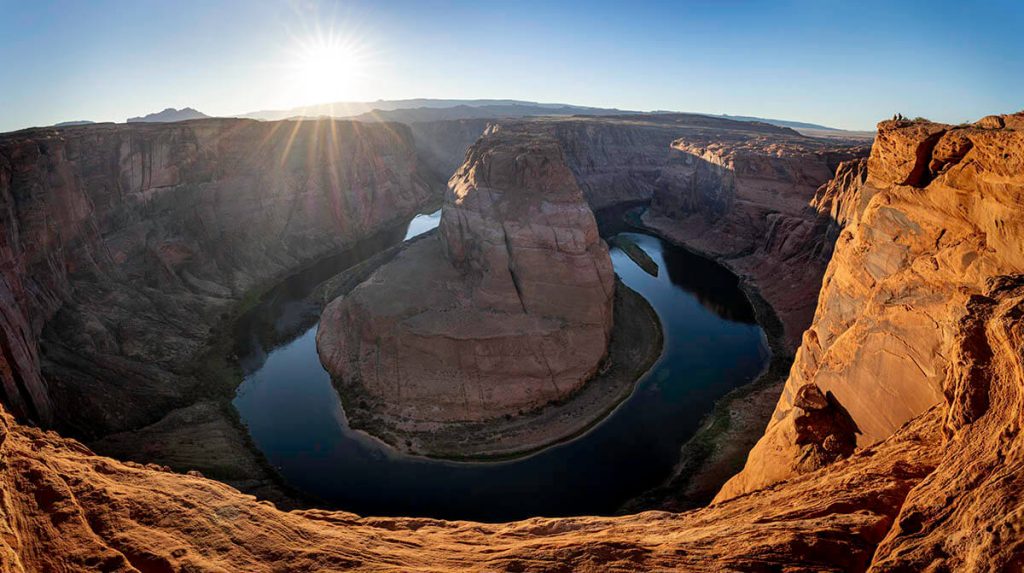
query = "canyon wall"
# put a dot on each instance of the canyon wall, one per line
(739, 192)
(616, 159)
(745, 199)
(442, 145)
(123, 245)
(508, 308)
(934, 239)
(620, 159)
(915, 346)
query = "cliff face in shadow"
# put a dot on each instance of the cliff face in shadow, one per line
(616, 159)
(739, 192)
(122, 245)
(746, 200)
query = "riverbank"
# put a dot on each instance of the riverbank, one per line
(207, 435)
(636, 343)
(718, 450)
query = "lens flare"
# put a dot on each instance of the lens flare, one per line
(327, 68)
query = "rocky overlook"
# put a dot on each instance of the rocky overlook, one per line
(507, 309)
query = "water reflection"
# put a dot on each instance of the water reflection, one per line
(295, 417)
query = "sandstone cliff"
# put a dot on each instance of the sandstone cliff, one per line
(621, 159)
(507, 309)
(740, 192)
(746, 199)
(933, 240)
(931, 253)
(616, 159)
(122, 245)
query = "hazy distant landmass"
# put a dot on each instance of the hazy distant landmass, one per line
(71, 123)
(425, 109)
(170, 114)
(509, 110)
(780, 122)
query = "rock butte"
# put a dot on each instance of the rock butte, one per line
(507, 309)
(906, 454)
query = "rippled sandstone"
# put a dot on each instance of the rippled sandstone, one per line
(507, 309)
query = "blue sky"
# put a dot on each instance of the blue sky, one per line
(846, 64)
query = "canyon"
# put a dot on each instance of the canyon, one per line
(126, 249)
(895, 440)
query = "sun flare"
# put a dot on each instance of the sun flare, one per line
(328, 69)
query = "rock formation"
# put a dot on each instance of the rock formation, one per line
(898, 436)
(744, 199)
(507, 309)
(67, 509)
(122, 245)
(739, 192)
(934, 237)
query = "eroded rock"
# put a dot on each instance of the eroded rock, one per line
(745, 199)
(911, 259)
(507, 309)
(123, 245)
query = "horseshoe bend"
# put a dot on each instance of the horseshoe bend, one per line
(501, 335)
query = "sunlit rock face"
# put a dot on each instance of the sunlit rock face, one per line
(917, 297)
(508, 308)
(122, 245)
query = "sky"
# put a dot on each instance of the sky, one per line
(843, 64)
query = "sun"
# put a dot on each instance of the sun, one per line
(327, 69)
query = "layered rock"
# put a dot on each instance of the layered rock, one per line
(616, 159)
(122, 245)
(941, 490)
(934, 230)
(507, 309)
(745, 198)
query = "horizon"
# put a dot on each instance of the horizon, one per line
(823, 63)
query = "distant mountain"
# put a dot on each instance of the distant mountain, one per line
(170, 114)
(71, 123)
(781, 122)
(424, 109)
(479, 112)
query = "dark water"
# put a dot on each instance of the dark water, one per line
(712, 345)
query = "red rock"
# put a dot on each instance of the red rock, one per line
(507, 309)
(130, 241)
(888, 320)
(743, 199)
